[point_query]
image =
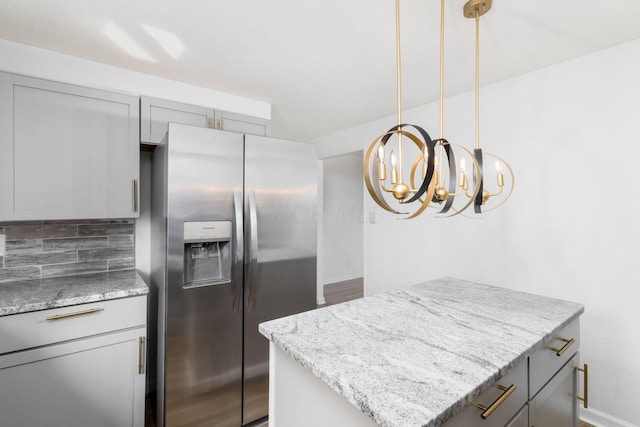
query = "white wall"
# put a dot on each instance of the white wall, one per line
(342, 218)
(572, 228)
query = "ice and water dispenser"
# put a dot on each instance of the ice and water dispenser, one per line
(207, 253)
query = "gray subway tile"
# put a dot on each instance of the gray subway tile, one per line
(24, 246)
(105, 229)
(121, 240)
(74, 268)
(107, 253)
(19, 273)
(40, 231)
(14, 223)
(1, 262)
(76, 243)
(21, 260)
(121, 263)
(77, 221)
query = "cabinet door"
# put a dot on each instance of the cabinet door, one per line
(155, 115)
(88, 382)
(6, 146)
(75, 152)
(521, 419)
(556, 405)
(240, 123)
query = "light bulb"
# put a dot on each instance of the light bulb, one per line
(381, 153)
(393, 159)
(498, 166)
(463, 165)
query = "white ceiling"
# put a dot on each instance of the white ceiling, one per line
(324, 65)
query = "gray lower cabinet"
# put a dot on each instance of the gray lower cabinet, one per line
(539, 392)
(75, 366)
(556, 404)
(66, 151)
(155, 115)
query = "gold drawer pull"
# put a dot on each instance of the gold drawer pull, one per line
(507, 392)
(564, 348)
(585, 385)
(75, 313)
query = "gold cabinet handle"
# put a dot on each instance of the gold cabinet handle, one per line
(75, 313)
(560, 352)
(489, 410)
(585, 385)
(140, 353)
(220, 124)
(210, 122)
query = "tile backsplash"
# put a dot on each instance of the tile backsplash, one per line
(39, 249)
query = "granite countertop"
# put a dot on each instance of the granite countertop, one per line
(40, 294)
(417, 356)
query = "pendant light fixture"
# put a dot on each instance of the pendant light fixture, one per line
(375, 170)
(449, 186)
(474, 9)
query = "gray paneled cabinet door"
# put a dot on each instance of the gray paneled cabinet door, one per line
(240, 123)
(155, 115)
(556, 405)
(73, 152)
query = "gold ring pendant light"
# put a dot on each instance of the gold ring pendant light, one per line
(376, 178)
(474, 9)
(435, 159)
(434, 164)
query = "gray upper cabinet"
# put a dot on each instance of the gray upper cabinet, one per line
(155, 114)
(241, 123)
(66, 151)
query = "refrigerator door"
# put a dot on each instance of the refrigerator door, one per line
(203, 356)
(280, 250)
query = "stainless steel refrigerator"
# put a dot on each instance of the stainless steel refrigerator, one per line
(233, 244)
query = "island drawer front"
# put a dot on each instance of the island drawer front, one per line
(544, 363)
(471, 415)
(38, 328)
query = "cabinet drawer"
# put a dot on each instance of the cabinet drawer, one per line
(38, 328)
(471, 415)
(544, 363)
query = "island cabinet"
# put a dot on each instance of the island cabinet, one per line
(66, 151)
(81, 365)
(155, 115)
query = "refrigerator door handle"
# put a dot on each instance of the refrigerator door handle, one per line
(253, 248)
(239, 255)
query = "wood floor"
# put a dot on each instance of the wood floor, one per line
(335, 293)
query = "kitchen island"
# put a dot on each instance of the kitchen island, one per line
(412, 357)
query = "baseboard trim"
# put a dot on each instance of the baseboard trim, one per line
(601, 419)
(333, 280)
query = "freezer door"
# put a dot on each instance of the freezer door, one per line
(280, 250)
(203, 379)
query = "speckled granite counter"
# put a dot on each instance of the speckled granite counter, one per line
(417, 356)
(32, 295)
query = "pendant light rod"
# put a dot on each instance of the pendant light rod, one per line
(441, 69)
(398, 66)
(477, 79)
(399, 88)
